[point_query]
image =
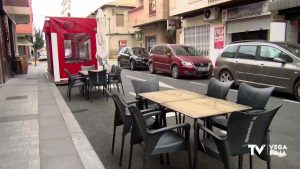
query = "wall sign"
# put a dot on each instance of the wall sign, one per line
(246, 11)
(219, 37)
(122, 43)
(152, 7)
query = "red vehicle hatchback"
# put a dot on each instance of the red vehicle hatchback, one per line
(179, 60)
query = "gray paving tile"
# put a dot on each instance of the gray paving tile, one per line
(62, 162)
(48, 133)
(56, 147)
(51, 121)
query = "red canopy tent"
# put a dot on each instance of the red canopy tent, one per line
(70, 42)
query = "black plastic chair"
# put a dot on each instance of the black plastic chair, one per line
(238, 137)
(160, 141)
(116, 79)
(74, 81)
(96, 79)
(123, 117)
(151, 85)
(218, 89)
(254, 97)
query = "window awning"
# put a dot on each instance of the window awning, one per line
(278, 5)
(23, 42)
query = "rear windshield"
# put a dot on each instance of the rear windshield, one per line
(185, 51)
(293, 48)
(139, 51)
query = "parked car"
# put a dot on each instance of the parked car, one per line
(262, 64)
(135, 57)
(42, 55)
(179, 60)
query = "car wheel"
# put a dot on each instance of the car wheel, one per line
(119, 63)
(175, 72)
(132, 65)
(297, 90)
(225, 76)
(151, 68)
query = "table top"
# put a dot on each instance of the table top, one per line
(170, 95)
(204, 107)
(85, 72)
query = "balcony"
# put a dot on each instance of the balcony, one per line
(17, 10)
(143, 15)
(178, 7)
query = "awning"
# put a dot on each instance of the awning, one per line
(278, 5)
(23, 42)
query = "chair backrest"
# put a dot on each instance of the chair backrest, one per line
(97, 78)
(139, 123)
(120, 109)
(218, 89)
(254, 97)
(113, 68)
(118, 73)
(151, 85)
(246, 128)
(92, 67)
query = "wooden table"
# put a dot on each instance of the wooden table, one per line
(170, 95)
(195, 106)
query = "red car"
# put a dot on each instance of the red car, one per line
(179, 60)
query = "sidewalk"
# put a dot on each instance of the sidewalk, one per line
(37, 128)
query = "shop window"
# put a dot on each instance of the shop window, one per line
(120, 20)
(77, 47)
(198, 37)
(21, 50)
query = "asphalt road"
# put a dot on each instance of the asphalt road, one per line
(285, 126)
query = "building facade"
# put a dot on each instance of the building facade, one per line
(150, 17)
(24, 36)
(118, 31)
(209, 25)
(12, 13)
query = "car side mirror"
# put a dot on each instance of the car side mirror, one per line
(280, 60)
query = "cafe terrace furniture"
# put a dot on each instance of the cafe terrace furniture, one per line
(257, 98)
(201, 106)
(92, 67)
(160, 141)
(75, 81)
(96, 79)
(117, 79)
(244, 128)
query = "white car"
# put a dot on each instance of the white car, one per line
(42, 56)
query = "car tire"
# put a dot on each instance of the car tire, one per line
(132, 65)
(175, 72)
(225, 76)
(151, 68)
(297, 90)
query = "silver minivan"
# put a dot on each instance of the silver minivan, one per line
(261, 63)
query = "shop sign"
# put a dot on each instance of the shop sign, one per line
(219, 37)
(152, 7)
(246, 11)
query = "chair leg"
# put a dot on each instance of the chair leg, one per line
(250, 161)
(189, 155)
(240, 161)
(118, 87)
(122, 88)
(113, 141)
(122, 148)
(90, 94)
(161, 157)
(70, 94)
(130, 156)
(144, 160)
(269, 164)
(168, 159)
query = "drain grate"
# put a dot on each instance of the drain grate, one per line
(16, 97)
(79, 110)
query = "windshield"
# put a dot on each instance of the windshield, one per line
(293, 48)
(185, 51)
(139, 51)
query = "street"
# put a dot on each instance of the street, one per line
(96, 121)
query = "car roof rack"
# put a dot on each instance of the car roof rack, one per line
(254, 40)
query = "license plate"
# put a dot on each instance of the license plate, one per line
(202, 69)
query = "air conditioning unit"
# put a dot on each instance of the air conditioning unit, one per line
(212, 14)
